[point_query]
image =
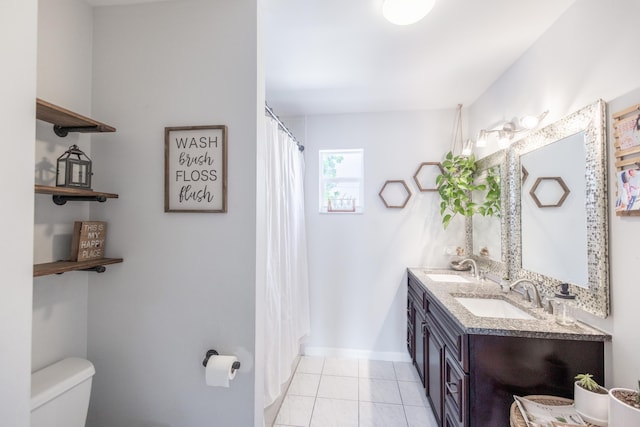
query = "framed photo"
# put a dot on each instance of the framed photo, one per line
(628, 131)
(195, 172)
(628, 190)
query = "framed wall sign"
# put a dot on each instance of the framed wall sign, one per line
(195, 172)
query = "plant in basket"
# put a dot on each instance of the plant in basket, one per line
(624, 407)
(591, 400)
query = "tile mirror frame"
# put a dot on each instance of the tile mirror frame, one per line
(591, 120)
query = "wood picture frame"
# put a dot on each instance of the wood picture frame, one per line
(195, 174)
(626, 125)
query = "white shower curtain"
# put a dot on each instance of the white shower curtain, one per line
(287, 283)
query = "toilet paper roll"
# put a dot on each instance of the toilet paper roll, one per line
(219, 370)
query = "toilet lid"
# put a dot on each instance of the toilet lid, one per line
(55, 379)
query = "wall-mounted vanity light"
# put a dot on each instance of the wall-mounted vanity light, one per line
(506, 133)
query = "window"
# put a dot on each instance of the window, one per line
(341, 181)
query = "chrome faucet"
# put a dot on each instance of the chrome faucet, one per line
(532, 294)
(474, 267)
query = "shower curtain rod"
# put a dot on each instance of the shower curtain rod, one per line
(282, 126)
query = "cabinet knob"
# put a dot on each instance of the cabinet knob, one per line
(423, 327)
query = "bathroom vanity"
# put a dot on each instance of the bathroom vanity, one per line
(472, 364)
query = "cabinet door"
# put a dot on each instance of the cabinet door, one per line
(420, 328)
(454, 337)
(411, 328)
(456, 384)
(434, 360)
(450, 419)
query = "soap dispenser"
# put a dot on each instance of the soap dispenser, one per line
(564, 306)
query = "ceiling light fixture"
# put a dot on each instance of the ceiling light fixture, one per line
(509, 130)
(406, 12)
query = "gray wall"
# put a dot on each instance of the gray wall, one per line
(65, 29)
(357, 262)
(18, 21)
(587, 54)
(188, 281)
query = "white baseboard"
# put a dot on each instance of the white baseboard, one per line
(350, 353)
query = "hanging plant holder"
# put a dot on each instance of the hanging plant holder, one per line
(457, 182)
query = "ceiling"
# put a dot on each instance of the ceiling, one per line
(342, 56)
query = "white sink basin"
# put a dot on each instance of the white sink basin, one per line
(452, 278)
(491, 307)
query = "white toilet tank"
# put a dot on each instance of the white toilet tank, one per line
(60, 393)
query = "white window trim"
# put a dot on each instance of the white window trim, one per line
(323, 205)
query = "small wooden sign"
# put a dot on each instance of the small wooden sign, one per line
(195, 175)
(88, 240)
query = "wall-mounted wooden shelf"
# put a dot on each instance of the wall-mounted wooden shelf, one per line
(63, 194)
(65, 121)
(59, 267)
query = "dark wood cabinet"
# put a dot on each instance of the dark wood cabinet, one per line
(421, 346)
(434, 363)
(411, 328)
(416, 327)
(456, 389)
(470, 379)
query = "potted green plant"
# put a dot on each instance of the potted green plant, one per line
(492, 199)
(455, 185)
(591, 400)
(624, 407)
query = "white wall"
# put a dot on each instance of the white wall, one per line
(188, 281)
(18, 21)
(65, 29)
(587, 54)
(357, 263)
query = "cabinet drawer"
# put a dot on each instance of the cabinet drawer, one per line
(450, 419)
(411, 333)
(417, 293)
(455, 338)
(456, 389)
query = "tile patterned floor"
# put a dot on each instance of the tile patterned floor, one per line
(326, 392)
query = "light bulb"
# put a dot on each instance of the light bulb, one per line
(406, 12)
(529, 122)
(482, 139)
(467, 149)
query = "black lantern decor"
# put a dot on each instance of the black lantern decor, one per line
(74, 169)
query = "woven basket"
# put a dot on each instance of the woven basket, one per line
(517, 420)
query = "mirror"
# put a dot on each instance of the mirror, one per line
(487, 235)
(553, 218)
(558, 223)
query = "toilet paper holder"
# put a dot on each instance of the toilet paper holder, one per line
(234, 367)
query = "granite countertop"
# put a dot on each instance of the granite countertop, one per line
(543, 326)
